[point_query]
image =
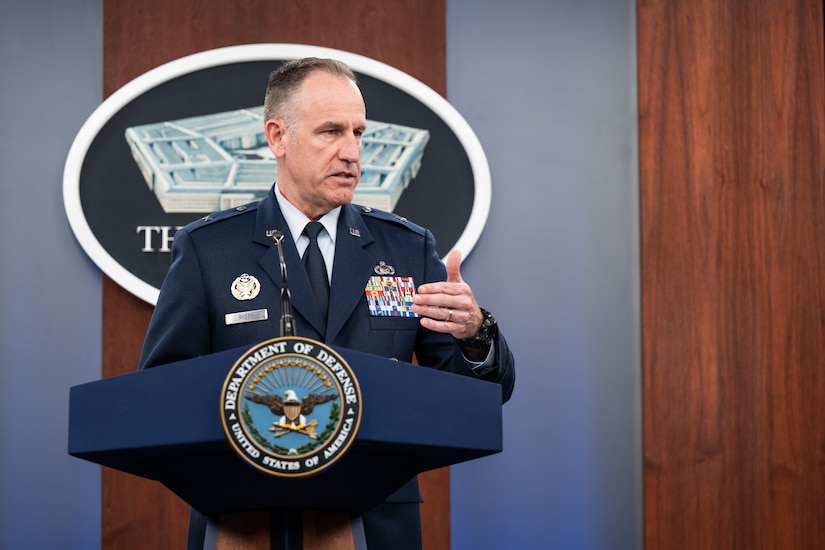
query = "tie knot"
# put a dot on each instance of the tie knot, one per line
(312, 230)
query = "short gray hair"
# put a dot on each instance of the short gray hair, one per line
(286, 79)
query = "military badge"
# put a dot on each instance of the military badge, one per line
(245, 287)
(291, 407)
(383, 268)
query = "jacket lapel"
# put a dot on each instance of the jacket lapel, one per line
(352, 267)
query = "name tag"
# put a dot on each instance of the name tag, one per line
(246, 316)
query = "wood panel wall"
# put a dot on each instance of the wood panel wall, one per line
(140, 35)
(731, 119)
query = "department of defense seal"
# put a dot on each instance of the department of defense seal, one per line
(291, 407)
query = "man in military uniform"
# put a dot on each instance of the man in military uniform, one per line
(222, 289)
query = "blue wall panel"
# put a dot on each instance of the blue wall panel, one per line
(51, 63)
(550, 89)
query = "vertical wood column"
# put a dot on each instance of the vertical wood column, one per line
(139, 36)
(732, 167)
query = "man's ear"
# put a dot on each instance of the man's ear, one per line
(276, 136)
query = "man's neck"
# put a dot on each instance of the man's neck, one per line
(297, 219)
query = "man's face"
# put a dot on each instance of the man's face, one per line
(319, 158)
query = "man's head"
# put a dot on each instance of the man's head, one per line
(315, 116)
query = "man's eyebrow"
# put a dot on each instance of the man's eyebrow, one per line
(332, 125)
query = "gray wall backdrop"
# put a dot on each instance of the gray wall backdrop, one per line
(549, 88)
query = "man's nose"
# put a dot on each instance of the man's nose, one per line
(351, 149)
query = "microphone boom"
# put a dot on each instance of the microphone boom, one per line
(287, 321)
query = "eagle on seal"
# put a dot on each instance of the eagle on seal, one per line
(276, 403)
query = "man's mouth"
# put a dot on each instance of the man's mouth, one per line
(345, 175)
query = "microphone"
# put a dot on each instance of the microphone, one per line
(287, 322)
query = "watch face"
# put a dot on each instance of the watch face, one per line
(491, 327)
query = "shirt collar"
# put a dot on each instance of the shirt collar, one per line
(297, 220)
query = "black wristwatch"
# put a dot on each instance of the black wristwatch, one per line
(486, 334)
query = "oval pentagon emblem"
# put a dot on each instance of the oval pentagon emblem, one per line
(291, 407)
(169, 147)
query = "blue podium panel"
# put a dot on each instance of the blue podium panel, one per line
(165, 424)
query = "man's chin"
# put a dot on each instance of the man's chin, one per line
(343, 196)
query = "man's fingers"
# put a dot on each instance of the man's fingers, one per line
(454, 267)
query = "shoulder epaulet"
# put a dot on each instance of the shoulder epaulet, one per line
(215, 217)
(397, 219)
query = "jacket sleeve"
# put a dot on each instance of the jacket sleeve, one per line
(441, 351)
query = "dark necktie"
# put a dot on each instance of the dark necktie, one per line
(315, 266)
